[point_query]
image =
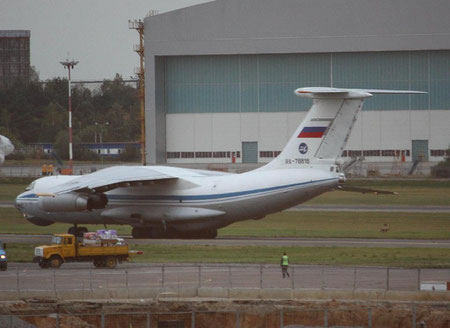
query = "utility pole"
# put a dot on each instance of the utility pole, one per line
(70, 65)
(138, 25)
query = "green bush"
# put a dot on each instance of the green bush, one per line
(442, 169)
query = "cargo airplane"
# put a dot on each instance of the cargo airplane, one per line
(172, 202)
(6, 148)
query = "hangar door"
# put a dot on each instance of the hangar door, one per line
(420, 150)
(249, 152)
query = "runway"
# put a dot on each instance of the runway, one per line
(251, 241)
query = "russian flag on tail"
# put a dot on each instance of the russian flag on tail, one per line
(312, 132)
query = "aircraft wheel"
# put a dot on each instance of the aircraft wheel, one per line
(136, 233)
(111, 262)
(72, 230)
(141, 233)
(212, 234)
(83, 229)
(206, 234)
(55, 262)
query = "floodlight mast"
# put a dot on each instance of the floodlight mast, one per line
(138, 25)
(70, 65)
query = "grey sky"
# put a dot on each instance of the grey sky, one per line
(94, 32)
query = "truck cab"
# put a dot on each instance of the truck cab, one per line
(3, 257)
(62, 246)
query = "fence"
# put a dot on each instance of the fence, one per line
(78, 277)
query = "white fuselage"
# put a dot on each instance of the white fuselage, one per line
(6, 148)
(224, 199)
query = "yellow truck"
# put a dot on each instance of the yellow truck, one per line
(68, 248)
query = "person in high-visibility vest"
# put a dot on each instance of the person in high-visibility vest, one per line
(284, 265)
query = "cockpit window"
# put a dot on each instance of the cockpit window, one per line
(31, 186)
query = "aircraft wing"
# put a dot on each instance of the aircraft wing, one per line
(112, 178)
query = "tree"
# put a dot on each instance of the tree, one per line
(55, 120)
(37, 112)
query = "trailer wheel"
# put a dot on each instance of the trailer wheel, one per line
(55, 261)
(99, 262)
(111, 262)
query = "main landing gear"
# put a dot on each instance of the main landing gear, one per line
(77, 231)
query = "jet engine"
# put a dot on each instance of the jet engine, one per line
(39, 222)
(72, 202)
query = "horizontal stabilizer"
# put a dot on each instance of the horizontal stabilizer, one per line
(338, 93)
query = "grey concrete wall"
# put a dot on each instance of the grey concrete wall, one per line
(230, 293)
(285, 26)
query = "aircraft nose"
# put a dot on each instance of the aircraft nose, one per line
(18, 202)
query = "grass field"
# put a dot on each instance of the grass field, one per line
(392, 257)
(289, 224)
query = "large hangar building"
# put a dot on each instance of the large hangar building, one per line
(220, 77)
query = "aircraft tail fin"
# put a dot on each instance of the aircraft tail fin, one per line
(324, 132)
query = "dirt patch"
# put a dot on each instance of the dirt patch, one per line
(227, 313)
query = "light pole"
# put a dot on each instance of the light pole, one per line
(102, 126)
(138, 25)
(70, 65)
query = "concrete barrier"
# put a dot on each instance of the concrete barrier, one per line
(213, 292)
(145, 293)
(373, 295)
(178, 292)
(244, 293)
(9, 295)
(230, 293)
(276, 293)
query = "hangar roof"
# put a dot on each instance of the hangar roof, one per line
(293, 26)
